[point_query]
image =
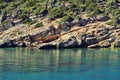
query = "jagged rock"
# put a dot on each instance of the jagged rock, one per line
(94, 46)
(19, 43)
(104, 44)
(91, 40)
(47, 45)
(28, 40)
(101, 38)
(2, 43)
(79, 40)
(88, 20)
(6, 42)
(70, 41)
(82, 22)
(45, 32)
(103, 18)
(65, 26)
(117, 43)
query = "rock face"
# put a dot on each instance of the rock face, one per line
(66, 26)
(70, 42)
(66, 41)
(93, 36)
(6, 42)
(91, 40)
(45, 32)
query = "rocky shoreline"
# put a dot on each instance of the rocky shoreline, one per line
(96, 35)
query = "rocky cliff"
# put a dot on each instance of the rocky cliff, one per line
(93, 35)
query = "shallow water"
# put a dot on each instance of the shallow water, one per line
(63, 64)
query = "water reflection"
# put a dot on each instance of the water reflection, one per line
(64, 60)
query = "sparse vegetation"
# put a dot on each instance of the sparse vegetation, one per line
(65, 9)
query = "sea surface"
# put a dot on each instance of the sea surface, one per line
(63, 64)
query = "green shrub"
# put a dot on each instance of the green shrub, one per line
(67, 18)
(6, 21)
(3, 5)
(39, 25)
(32, 22)
(56, 13)
(38, 10)
(25, 18)
(111, 22)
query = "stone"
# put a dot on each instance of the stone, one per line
(47, 45)
(70, 41)
(20, 44)
(104, 18)
(105, 44)
(28, 40)
(91, 40)
(82, 22)
(44, 32)
(117, 43)
(94, 46)
(65, 26)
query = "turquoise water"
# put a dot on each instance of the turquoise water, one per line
(64, 64)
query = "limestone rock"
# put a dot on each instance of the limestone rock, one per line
(47, 45)
(117, 43)
(91, 40)
(104, 44)
(94, 46)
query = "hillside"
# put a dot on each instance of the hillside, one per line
(28, 11)
(38, 23)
